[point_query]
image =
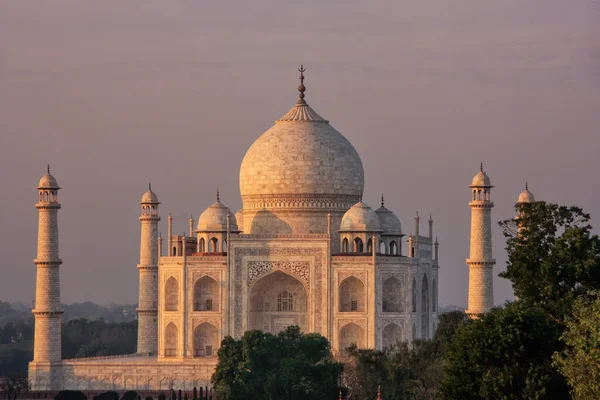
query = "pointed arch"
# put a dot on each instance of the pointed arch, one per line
(206, 340)
(351, 333)
(345, 245)
(352, 295)
(393, 248)
(206, 294)
(358, 245)
(425, 308)
(171, 295)
(434, 299)
(391, 335)
(414, 295)
(382, 248)
(171, 340)
(213, 245)
(392, 295)
(202, 245)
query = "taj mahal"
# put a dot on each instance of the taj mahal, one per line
(304, 250)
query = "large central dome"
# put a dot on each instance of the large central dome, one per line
(304, 160)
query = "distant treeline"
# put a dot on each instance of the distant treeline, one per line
(113, 312)
(80, 338)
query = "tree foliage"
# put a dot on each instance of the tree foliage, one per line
(13, 386)
(552, 256)
(289, 365)
(580, 361)
(505, 354)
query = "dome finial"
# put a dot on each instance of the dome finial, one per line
(218, 197)
(526, 186)
(149, 186)
(382, 202)
(301, 88)
(48, 169)
(481, 167)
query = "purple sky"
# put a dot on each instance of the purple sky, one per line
(114, 94)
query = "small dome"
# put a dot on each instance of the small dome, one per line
(481, 179)
(389, 221)
(360, 218)
(48, 181)
(149, 197)
(526, 196)
(214, 219)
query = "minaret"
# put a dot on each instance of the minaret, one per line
(480, 262)
(47, 311)
(147, 343)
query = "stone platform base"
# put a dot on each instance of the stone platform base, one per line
(130, 372)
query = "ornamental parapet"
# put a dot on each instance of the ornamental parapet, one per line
(47, 206)
(48, 263)
(147, 267)
(146, 310)
(483, 263)
(149, 218)
(99, 358)
(47, 312)
(481, 204)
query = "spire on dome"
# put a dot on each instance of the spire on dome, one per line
(481, 167)
(526, 186)
(149, 186)
(301, 87)
(218, 197)
(48, 169)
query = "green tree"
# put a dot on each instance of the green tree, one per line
(505, 354)
(552, 256)
(580, 361)
(289, 365)
(448, 323)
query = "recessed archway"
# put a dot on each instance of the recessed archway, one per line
(352, 295)
(392, 295)
(206, 294)
(171, 295)
(277, 301)
(425, 308)
(351, 333)
(171, 340)
(206, 340)
(392, 334)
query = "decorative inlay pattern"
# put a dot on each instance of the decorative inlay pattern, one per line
(317, 255)
(357, 274)
(216, 322)
(200, 274)
(300, 269)
(386, 321)
(360, 322)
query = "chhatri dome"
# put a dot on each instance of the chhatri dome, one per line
(360, 218)
(481, 179)
(389, 221)
(48, 181)
(149, 196)
(526, 196)
(214, 218)
(303, 163)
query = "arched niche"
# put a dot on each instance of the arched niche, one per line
(206, 294)
(392, 297)
(351, 333)
(352, 295)
(171, 340)
(276, 301)
(171, 295)
(206, 340)
(391, 335)
(425, 308)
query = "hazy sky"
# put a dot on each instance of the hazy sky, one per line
(114, 94)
